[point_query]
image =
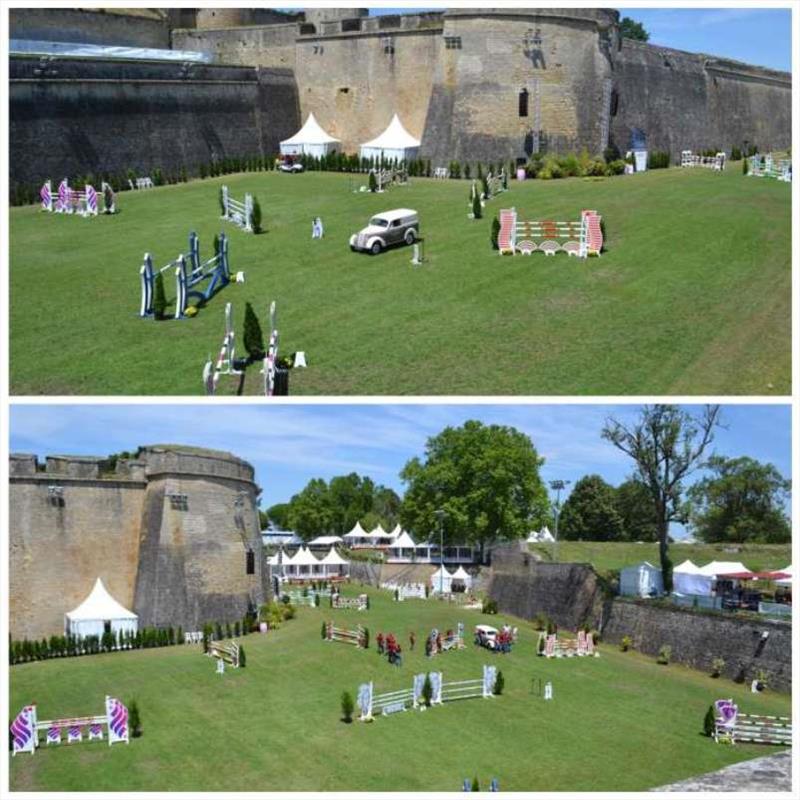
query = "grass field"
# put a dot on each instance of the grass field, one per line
(615, 555)
(617, 723)
(692, 296)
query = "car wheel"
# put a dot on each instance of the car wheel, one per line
(375, 249)
(410, 236)
(352, 248)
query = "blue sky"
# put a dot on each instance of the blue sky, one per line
(755, 35)
(289, 445)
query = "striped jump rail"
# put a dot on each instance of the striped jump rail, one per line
(229, 653)
(759, 729)
(360, 603)
(355, 637)
(580, 238)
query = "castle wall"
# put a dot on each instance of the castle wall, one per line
(697, 639)
(57, 552)
(267, 46)
(688, 101)
(136, 28)
(192, 566)
(168, 534)
(89, 115)
(558, 56)
(355, 83)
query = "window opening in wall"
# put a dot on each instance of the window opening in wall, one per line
(523, 103)
(344, 89)
(614, 102)
(318, 49)
(106, 626)
(251, 562)
(452, 42)
(178, 502)
(55, 496)
(388, 45)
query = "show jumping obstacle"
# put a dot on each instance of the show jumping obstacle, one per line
(239, 213)
(582, 645)
(270, 359)
(395, 176)
(360, 603)
(216, 271)
(405, 590)
(732, 727)
(26, 727)
(717, 162)
(229, 653)
(392, 702)
(71, 201)
(496, 184)
(226, 360)
(436, 643)
(767, 167)
(357, 637)
(581, 238)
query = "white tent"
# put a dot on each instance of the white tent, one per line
(395, 532)
(356, 536)
(464, 577)
(641, 580)
(688, 579)
(100, 612)
(543, 535)
(378, 532)
(441, 580)
(785, 581)
(334, 564)
(717, 569)
(394, 143)
(325, 541)
(310, 140)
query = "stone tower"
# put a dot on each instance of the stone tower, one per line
(174, 535)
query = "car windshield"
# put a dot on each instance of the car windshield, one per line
(379, 222)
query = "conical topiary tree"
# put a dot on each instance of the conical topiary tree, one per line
(253, 337)
(256, 217)
(242, 657)
(159, 298)
(476, 787)
(499, 683)
(221, 203)
(495, 233)
(134, 720)
(348, 707)
(477, 211)
(427, 691)
(709, 722)
(485, 182)
(373, 181)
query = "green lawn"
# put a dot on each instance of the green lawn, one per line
(615, 555)
(692, 296)
(617, 723)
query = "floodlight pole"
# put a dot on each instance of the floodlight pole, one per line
(440, 514)
(557, 486)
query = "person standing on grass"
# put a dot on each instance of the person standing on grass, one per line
(412, 640)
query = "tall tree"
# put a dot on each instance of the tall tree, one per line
(486, 480)
(351, 498)
(310, 512)
(667, 444)
(742, 500)
(590, 512)
(635, 507)
(630, 29)
(278, 515)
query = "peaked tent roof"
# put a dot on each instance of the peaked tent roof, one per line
(642, 564)
(333, 558)
(320, 540)
(302, 557)
(310, 133)
(357, 533)
(403, 540)
(716, 568)
(442, 571)
(396, 531)
(394, 137)
(100, 605)
(461, 574)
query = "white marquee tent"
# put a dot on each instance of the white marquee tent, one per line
(464, 577)
(543, 535)
(641, 580)
(785, 581)
(98, 611)
(718, 569)
(394, 143)
(334, 564)
(442, 580)
(687, 578)
(310, 140)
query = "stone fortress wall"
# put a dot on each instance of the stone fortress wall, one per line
(454, 77)
(168, 533)
(572, 595)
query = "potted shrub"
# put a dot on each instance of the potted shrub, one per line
(625, 644)
(717, 665)
(134, 720)
(664, 654)
(347, 707)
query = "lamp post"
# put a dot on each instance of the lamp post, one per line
(557, 487)
(440, 515)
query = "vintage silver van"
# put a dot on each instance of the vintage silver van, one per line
(399, 226)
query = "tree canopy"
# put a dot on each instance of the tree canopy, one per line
(590, 512)
(630, 29)
(667, 444)
(742, 500)
(486, 480)
(334, 508)
(635, 507)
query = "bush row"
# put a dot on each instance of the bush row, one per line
(25, 650)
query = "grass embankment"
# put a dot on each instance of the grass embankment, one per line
(617, 723)
(615, 555)
(692, 296)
